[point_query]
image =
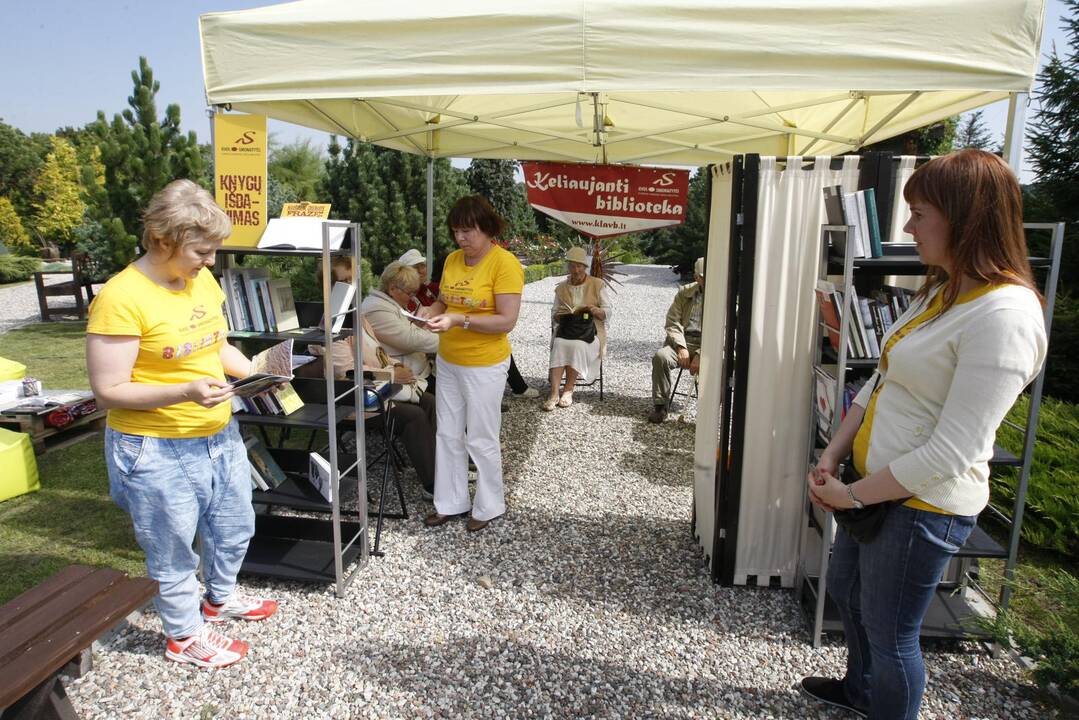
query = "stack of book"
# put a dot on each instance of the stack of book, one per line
(824, 405)
(266, 474)
(266, 391)
(876, 314)
(858, 210)
(256, 302)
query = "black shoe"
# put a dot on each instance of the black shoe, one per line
(658, 414)
(830, 692)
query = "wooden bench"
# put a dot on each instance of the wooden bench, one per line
(46, 628)
(79, 283)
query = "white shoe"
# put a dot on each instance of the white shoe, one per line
(207, 648)
(529, 393)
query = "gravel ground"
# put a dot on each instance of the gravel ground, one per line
(18, 303)
(588, 599)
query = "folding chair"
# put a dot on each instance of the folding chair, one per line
(674, 388)
(580, 383)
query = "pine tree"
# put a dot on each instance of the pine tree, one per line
(58, 205)
(386, 191)
(298, 168)
(496, 181)
(12, 233)
(142, 153)
(973, 133)
(21, 158)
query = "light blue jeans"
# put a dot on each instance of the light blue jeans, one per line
(172, 487)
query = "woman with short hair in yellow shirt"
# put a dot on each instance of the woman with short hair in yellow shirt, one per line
(479, 299)
(157, 354)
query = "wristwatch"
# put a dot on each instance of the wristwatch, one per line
(856, 504)
(467, 321)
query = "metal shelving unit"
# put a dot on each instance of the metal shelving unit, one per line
(959, 596)
(314, 549)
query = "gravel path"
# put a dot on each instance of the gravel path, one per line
(18, 303)
(588, 599)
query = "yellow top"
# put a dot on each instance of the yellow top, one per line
(861, 440)
(180, 332)
(471, 290)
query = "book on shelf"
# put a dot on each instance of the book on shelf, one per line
(873, 222)
(825, 386)
(830, 313)
(299, 233)
(269, 368)
(850, 211)
(282, 305)
(340, 299)
(320, 476)
(263, 463)
(833, 212)
(866, 331)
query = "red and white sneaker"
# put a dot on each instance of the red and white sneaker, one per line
(242, 607)
(207, 648)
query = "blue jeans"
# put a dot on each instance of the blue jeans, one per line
(883, 589)
(172, 487)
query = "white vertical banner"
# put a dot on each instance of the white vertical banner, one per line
(716, 283)
(790, 211)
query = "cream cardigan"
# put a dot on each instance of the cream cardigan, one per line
(948, 385)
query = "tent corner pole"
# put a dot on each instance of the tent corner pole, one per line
(430, 215)
(1016, 128)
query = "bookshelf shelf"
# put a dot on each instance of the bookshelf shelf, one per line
(956, 600)
(324, 549)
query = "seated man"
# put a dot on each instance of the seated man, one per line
(683, 346)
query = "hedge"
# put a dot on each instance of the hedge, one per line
(14, 268)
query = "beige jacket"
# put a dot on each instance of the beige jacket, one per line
(594, 296)
(397, 336)
(678, 315)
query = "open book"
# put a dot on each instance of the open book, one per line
(300, 233)
(269, 368)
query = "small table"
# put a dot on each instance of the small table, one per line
(73, 410)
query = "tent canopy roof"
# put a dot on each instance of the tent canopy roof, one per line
(678, 81)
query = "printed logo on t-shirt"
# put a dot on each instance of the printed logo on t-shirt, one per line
(170, 352)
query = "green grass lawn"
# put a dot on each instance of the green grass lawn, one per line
(71, 519)
(54, 353)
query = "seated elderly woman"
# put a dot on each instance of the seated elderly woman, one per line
(401, 338)
(580, 313)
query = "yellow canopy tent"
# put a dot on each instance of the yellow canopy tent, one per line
(684, 82)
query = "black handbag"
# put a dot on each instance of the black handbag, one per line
(864, 524)
(578, 326)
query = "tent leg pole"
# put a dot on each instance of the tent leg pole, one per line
(1016, 128)
(430, 216)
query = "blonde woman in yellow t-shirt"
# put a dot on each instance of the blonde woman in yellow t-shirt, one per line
(157, 355)
(479, 298)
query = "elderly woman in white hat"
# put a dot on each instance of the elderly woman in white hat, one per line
(579, 319)
(427, 292)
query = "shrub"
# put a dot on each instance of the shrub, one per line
(1051, 517)
(538, 272)
(12, 232)
(16, 269)
(1062, 366)
(1045, 631)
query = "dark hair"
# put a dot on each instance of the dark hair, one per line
(474, 211)
(979, 196)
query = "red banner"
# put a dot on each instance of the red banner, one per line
(604, 200)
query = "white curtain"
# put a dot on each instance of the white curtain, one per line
(777, 431)
(712, 340)
(900, 209)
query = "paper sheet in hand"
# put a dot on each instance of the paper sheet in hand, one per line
(269, 368)
(410, 316)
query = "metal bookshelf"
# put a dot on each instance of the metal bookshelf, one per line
(304, 548)
(959, 596)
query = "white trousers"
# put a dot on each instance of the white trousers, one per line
(468, 403)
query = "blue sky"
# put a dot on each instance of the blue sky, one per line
(61, 60)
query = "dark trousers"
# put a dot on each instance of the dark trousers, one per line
(517, 382)
(415, 426)
(883, 589)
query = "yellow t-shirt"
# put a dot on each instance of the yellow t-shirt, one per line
(180, 333)
(860, 450)
(472, 290)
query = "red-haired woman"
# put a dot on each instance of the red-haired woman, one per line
(922, 429)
